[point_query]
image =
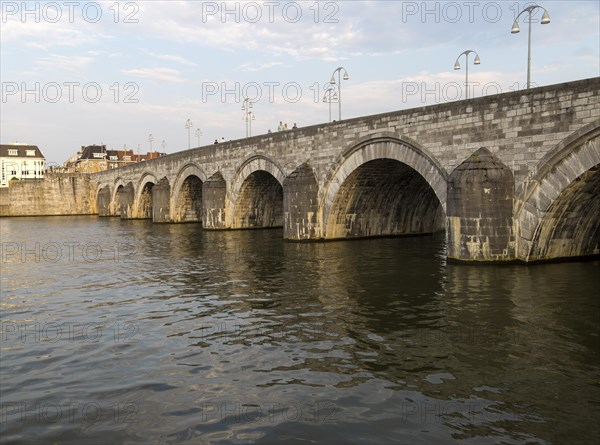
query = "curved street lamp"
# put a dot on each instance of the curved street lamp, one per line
(330, 96)
(150, 139)
(457, 67)
(515, 29)
(188, 125)
(198, 135)
(248, 116)
(339, 84)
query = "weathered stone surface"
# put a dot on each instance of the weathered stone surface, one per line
(570, 226)
(126, 195)
(103, 204)
(55, 195)
(300, 205)
(214, 193)
(556, 214)
(161, 201)
(480, 209)
(384, 197)
(189, 201)
(259, 203)
(144, 203)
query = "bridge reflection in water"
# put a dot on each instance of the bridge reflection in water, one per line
(227, 336)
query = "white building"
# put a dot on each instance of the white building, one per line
(21, 162)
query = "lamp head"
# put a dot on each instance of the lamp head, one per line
(346, 75)
(457, 65)
(545, 18)
(477, 60)
(515, 28)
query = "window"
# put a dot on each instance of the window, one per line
(99, 155)
(30, 152)
(13, 152)
(113, 158)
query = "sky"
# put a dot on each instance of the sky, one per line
(131, 73)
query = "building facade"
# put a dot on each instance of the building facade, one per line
(92, 159)
(20, 162)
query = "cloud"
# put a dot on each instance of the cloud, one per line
(182, 22)
(174, 58)
(102, 53)
(72, 64)
(44, 35)
(253, 67)
(160, 74)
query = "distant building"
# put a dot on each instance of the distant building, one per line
(69, 165)
(18, 161)
(95, 158)
(92, 159)
(119, 158)
(149, 155)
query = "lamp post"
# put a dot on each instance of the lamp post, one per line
(198, 135)
(188, 125)
(150, 139)
(339, 83)
(164, 145)
(515, 29)
(330, 96)
(248, 116)
(457, 66)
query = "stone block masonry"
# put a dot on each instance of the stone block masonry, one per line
(57, 194)
(530, 195)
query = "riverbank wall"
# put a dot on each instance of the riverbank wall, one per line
(56, 194)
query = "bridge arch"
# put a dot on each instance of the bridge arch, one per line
(256, 197)
(186, 199)
(103, 200)
(371, 190)
(143, 199)
(117, 188)
(118, 183)
(558, 208)
(123, 201)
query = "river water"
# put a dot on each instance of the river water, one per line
(127, 332)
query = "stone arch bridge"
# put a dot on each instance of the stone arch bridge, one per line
(513, 176)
